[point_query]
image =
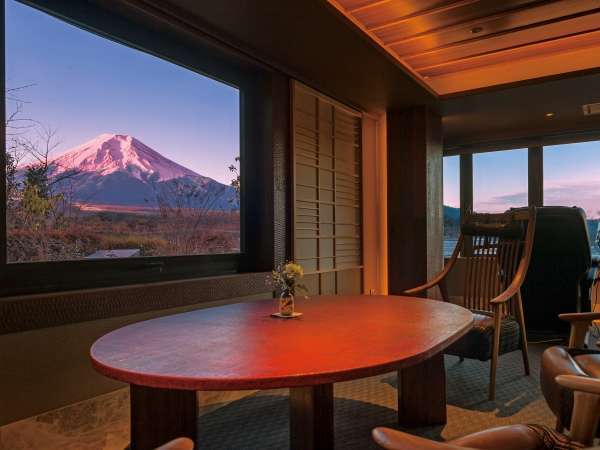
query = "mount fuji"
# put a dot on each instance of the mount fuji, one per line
(120, 170)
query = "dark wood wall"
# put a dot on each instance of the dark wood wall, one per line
(415, 218)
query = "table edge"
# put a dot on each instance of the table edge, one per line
(307, 379)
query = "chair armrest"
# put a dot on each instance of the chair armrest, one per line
(509, 293)
(579, 383)
(178, 444)
(440, 276)
(580, 322)
(396, 440)
(580, 317)
(419, 289)
(586, 406)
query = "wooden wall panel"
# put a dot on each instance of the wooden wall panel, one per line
(327, 155)
(414, 197)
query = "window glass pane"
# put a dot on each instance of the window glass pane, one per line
(451, 203)
(499, 180)
(113, 152)
(572, 178)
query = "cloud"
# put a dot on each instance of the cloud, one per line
(585, 194)
(582, 193)
(501, 203)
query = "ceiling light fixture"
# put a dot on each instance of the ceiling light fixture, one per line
(549, 115)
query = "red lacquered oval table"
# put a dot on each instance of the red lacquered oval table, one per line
(239, 346)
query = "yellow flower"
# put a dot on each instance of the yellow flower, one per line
(294, 270)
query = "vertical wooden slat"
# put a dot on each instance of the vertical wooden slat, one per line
(477, 262)
(468, 281)
(486, 272)
(497, 267)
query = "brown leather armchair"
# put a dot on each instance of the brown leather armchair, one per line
(178, 444)
(571, 360)
(517, 437)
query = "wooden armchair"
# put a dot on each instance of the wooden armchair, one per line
(495, 250)
(522, 437)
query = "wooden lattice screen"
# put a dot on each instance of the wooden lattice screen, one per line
(327, 154)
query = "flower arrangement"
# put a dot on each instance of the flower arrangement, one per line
(285, 279)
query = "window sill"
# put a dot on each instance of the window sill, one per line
(27, 312)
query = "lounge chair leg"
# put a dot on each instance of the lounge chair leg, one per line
(495, 352)
(461, 359)
(523, 333)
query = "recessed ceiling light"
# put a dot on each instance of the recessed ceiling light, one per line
(476, 30)
(549, 115)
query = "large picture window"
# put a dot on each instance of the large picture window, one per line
(499, 180)
(451, 171)
(572, 178)
(112, 152)
(135, 152)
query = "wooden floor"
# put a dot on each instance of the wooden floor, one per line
(259, 420)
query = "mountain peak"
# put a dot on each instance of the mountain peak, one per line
(108, 153)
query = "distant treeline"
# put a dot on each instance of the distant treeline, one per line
(452, 224)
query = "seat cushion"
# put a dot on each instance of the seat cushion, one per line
(590, 364)
(477, 343)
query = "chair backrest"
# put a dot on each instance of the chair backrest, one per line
(557, 280)
(495, 249)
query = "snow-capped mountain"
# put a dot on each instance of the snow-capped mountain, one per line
(110, 153)
(116, 169)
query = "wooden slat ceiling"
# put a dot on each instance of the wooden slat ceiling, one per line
(464, 45)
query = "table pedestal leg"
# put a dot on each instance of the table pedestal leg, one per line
(311, 417)
(159, 415)
(422, 393)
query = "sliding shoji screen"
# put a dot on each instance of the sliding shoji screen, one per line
(327, 192)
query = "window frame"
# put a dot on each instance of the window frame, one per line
(197, 55)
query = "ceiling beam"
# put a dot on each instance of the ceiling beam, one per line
(421, 14)
(593, 35)
(473, 22)
(505, 32)
(367, 6)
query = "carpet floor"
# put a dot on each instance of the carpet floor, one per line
(260, 420)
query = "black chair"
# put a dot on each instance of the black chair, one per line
(559, 265)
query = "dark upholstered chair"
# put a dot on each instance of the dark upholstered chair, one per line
(560, 261)
(517, 437)
(571, 360)
(495, 250)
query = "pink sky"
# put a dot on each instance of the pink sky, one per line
(571, 178)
